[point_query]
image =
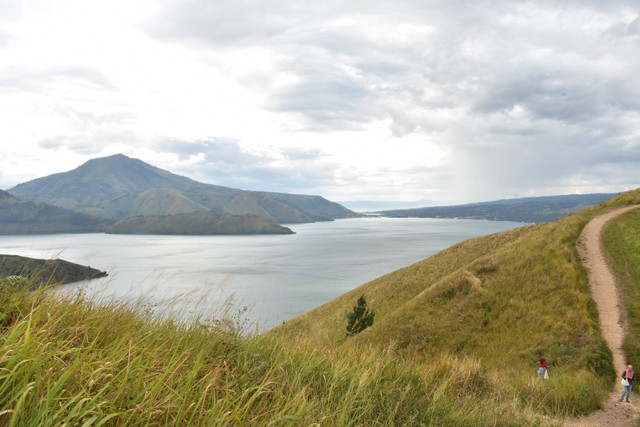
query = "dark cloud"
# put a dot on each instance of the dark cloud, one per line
(557, 158)
(559, 96)
(326, 104)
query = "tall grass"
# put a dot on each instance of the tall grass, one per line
(454, 343)
(69, 361)
(503, 299)
(622, 243)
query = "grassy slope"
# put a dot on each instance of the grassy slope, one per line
(622, 242)
(504, 299)
(70, 362)
(453, 344)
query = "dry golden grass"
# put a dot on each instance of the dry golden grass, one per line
(455, 342)
(503, 299)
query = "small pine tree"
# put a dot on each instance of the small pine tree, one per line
(360, 317)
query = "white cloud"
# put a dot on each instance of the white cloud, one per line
(359, 100)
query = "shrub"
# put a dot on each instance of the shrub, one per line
(360, 318)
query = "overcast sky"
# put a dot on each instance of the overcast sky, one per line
(445, 101)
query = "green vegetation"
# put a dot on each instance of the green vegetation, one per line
(67, 361)
(197, 223)
(360, 318)
(622, 242)
(503, 299)
(455, 342)
(41, 271)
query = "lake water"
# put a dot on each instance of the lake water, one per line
(277, 277)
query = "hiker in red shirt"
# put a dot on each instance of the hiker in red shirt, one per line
(542, 370)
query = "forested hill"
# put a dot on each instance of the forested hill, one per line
(527, 210)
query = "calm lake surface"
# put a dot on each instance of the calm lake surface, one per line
(277, 277)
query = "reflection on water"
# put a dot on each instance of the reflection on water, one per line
(278, 277)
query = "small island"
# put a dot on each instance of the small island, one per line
(45, 271)
(197, 223)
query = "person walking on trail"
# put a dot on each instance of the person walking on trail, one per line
(542, 370)
(628, 376)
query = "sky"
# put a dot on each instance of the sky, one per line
(429, 101)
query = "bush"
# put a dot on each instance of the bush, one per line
(360, 318)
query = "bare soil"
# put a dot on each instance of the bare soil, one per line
(605, 293)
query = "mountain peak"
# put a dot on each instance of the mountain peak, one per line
(116, 163)
(114, 158)
(118, 186)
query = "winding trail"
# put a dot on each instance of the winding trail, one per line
(604, 290)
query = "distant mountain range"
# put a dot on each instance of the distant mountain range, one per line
(20, 217)
(528, 210)
(105, 190)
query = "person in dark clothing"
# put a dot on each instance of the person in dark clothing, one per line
(629, 376)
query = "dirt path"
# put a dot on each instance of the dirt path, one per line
(604, 291)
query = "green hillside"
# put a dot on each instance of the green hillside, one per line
(41, 271)
(453, 343)
(622, 242)
(504, 299)
(118, 187)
